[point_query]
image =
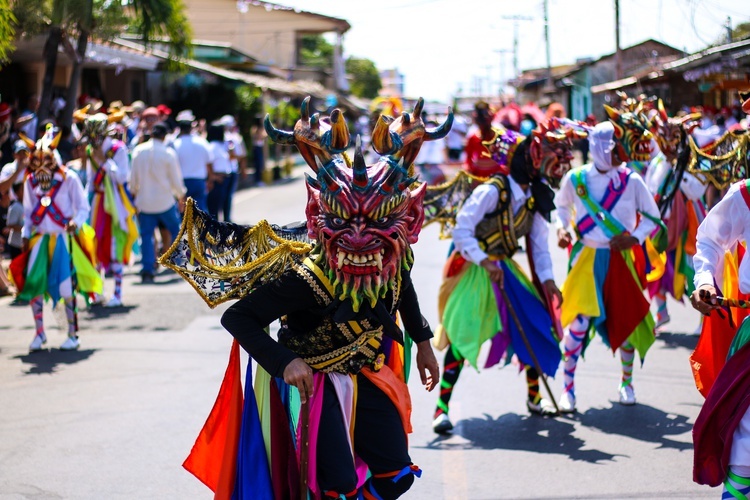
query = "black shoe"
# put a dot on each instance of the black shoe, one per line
(147, 278)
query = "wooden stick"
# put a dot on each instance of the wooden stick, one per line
(73, 282)
(724, 301)
(727, 302)
(534, 359)
(304, 447)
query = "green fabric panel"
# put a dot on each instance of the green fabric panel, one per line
(471, 316)
(36, 277)
(740, 338)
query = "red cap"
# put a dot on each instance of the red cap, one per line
(163, 109)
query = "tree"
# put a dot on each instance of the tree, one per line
(365, 77)
(64, 20)
(7, 29)
(741, 32)
(316, 52)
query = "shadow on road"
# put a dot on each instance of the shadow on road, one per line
(520, 432)
(160, 282)
(675, 340)
(107, 312)
(47, 361)
(641, 422)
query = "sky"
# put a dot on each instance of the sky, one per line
(454, 47)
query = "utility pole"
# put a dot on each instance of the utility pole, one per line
(546, 42)
(618, 51)
(502, 53)
(728, 26)
(515, 20)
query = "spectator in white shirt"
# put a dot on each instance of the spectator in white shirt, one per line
(196, 159)
(156, 184)
(237, 157)
(222, 170)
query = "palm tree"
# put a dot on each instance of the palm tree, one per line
(82, 19)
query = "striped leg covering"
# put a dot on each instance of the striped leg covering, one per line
(660, 299)
(627, 354)
(451, 370)
(532, 383)
(736, 486)
(573, 347)
(117, 275)
(37, 309)
(70, 313)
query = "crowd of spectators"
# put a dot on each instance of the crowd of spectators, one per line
(205, 160)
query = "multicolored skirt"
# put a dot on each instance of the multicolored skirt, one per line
(472, 310)
(675, 274)
(249, 445)
(113, 217)
(46, 268)
(607, 287)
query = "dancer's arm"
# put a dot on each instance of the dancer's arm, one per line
(247, 319)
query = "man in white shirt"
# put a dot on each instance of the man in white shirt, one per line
(725, 417)
(604, 199)
(195, 159)
(156, 184)
(481, 271)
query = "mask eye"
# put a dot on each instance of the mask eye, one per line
(382, 221)
(337, 222)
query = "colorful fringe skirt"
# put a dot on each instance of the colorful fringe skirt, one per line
(472, 311)
(45, 269)
(607, 287)
(113, 217)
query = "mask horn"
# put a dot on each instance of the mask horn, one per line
(304, 109)
(382, 142)
(442, 130)
(31, 144)
(56, 140)
(339, 132)
(276, 135)
(359, 179)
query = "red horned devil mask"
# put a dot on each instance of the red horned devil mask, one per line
(363, 217)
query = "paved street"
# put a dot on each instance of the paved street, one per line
(116, 419)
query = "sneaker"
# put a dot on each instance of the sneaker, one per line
(627, 395)
(567, 403)
(442, 424)
(114, 302)
(71, 344)
(661, 320)
(544, 407)
(147, 278)
(98, 300)
(38, 342)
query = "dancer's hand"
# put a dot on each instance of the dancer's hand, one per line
(299, 374)
(553, 291)
(564, 239)
(496, 274)
(704, 299)
(623, 242)
(427, 365)
(71, 227)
